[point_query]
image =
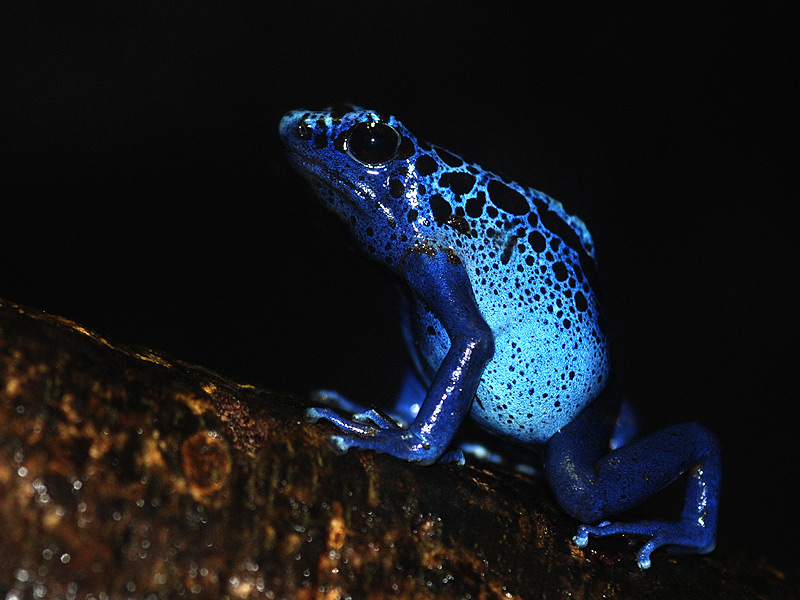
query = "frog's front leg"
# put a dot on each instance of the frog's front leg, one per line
(591, 485)
(439, 279)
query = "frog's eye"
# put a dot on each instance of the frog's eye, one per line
(373, 143)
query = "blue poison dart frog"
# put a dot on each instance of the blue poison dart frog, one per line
(503, 323)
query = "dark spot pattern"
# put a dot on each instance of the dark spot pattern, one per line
(396, 188)
(459, 183)
(426, 165)
(451, 160)
(506, 198)
(475, 205)
(560, 271)
(440, 208)
(537, 241)
(559, 227)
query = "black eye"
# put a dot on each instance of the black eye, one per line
(373, 143)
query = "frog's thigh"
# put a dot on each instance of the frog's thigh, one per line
(592, 483)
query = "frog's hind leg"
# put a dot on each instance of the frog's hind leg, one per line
(592, 484)
(626, 428)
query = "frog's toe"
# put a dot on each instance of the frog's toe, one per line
(330, 399)
(581, 539)
(314, 414)
(453, 456)
(377, 418)
(643, 556)
(338, 444)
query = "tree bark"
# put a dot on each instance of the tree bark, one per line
(127, 474)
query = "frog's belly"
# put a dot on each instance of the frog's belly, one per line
(534, 387)
(541, 376)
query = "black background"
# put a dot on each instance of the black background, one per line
(145, 193)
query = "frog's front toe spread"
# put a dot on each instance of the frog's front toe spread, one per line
(363, 422)
(312, 415)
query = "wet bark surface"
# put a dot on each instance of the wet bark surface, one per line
(127, 474)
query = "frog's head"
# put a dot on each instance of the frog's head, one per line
(361, 166)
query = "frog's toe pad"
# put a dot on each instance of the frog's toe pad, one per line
(338, 444)
(581, 539)
(312, 415)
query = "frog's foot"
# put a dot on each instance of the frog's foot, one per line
(335, 400)
(682, 537)
(374, 430)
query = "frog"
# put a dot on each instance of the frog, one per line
(503, 321)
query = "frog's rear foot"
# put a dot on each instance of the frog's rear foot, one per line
(680, 537)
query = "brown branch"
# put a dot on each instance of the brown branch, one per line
(129, 474)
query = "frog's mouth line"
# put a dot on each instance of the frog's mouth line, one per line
(320, 172)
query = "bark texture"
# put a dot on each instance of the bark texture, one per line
(127, 474)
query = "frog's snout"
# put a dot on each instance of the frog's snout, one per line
(289, 123)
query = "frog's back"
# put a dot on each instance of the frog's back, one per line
(533, 273)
